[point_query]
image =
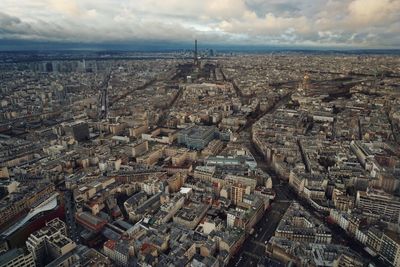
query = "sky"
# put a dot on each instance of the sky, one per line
(315, 23)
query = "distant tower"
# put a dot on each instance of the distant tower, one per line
(195, 52)
(306, 82)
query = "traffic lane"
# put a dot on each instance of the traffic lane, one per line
(249, 261)
(245, 260)
(269, 225)
(240, 261)
(283, 192)
(264, 230)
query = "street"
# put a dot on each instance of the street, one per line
(254, 246)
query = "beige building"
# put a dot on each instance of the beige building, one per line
(161, 135)
(379, 204)
(176, 181)
(138, 148)
(50, 242)
(17, 258)
(191, 214)
(152, 156)
(138, 131)
(237, 192)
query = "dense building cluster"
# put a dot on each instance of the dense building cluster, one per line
(231, 160)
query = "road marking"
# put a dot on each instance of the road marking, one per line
(283, 201)
(258, 243)
(252, 255)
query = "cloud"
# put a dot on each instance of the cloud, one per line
(7, 20)
(373, 12)
(286, 9)
(69, 7)
(369, 23)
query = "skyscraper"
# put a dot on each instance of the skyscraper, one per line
(195, 52)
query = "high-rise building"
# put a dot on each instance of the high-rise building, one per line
(79, 130)
(237, 193)
(390, 247)
(16, 258)
(195, 52)
(306, 82)
(379, 204)
(196, 55)
(50, 242)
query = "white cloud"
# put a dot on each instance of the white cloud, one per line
(367, 12)
(69, 7)
(319, 22)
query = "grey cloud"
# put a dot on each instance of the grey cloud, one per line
(7, 20)
(319, 22)
(261, 8)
